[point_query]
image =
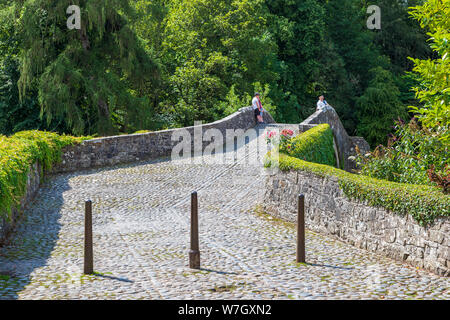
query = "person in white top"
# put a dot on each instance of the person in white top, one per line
(322, 103)
(258, 108)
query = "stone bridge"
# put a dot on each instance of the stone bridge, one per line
(141, 232)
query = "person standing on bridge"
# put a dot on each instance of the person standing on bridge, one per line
(258, 108)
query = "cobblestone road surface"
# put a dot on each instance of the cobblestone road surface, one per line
(141, 243)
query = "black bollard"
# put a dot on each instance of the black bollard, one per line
(88, 245)
(194, 253)
(301, 229)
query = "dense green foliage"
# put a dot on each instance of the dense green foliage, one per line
(17, 114)
(411, 152)
(434, 75)
(380, 101)
(418, 153)
(18, 153)
(298, 30)
(93, 78)
(347, 58)
(210, 46)
(424, 203)
(314, 145)
(150, 64)
(400, 37)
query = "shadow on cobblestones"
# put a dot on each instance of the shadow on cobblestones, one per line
(34, 239)
(328, 266)
(219, 272)
(112, 278)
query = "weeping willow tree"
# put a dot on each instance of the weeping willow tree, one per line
(99, 77)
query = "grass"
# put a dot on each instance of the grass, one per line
(258, 211)
(226, 288)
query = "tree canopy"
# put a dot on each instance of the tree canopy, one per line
(152, 64)
(433, 75)
(95, 77)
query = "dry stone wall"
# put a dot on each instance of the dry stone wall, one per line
(329, 211)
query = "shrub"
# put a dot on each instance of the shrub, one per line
(414, 155)
(142, 131)
(18, 153)
(314, 145)
(424, 203)
(280, 141)
(433, 75)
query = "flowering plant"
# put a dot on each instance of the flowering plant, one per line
(282, 140)
(270, 136)
(287, 133)
(414, 154)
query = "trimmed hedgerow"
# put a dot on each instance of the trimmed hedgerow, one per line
(314, 145)
(18, 153)
(424, 203)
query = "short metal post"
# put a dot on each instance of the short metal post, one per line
(194, 253)
(301, 229)
(88, 246)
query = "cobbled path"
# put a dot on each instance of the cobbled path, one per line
(141, 242)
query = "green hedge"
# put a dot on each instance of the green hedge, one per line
(314, 145)
(424, 203)
(18, 153)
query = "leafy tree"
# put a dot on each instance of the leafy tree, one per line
(16, 115)
(400, 36)
(233, 102)
(150, 25)
(348, 57)
(418, 152)
(413, 155)
(208, 47)
(346, 26)
(434, 75)
(148, 64)
(298, 27)
(151, 21)
(95, 77)
(379, 107)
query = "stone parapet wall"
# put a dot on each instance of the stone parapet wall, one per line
(329, 211)
(134, 147)
(345, 144)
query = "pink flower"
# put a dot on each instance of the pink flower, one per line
(287, 132)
